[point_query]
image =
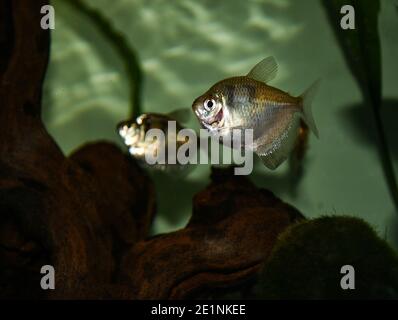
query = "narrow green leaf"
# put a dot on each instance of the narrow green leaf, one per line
(362, 50)
(361, 46)
(122, 47)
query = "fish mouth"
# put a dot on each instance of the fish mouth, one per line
(129, 132)
(124, 127)
(215, 122)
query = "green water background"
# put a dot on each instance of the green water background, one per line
(184, 47)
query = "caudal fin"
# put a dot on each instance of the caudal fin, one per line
(308, 97)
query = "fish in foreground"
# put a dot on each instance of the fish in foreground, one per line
(248, 102)
(133, 133)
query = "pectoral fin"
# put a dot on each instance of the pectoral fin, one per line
(265, 70)
(272, 155)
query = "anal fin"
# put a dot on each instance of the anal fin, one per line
(272, 155)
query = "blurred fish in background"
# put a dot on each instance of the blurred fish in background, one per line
(134, 135)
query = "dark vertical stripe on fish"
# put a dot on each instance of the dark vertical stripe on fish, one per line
(250, 92)
(230, 94)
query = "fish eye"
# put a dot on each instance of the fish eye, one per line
(209, 104)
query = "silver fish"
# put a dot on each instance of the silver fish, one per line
(133, 133)
(248, 102)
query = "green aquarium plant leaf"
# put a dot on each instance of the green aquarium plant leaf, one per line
(362, 50)
(361, 46)
(122, 47)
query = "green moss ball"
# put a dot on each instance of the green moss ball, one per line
(307, 260)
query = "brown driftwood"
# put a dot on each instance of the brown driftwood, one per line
(78, 213)
(231, 233)
(89, 214)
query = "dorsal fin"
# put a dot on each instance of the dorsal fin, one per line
(265, 70)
